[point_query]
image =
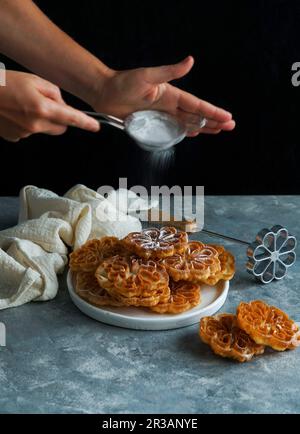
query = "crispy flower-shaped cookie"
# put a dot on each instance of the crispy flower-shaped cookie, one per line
(87, 257)
(161, 295)
(226, 339)
(184, 296)
(87, 287)
(156, 243)
(135, 282)
(227, 271)
(196, 264)
(268, 325)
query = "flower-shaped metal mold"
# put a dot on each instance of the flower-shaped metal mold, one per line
(271, 254)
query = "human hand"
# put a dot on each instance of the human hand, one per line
(124, 92)
(29, 105)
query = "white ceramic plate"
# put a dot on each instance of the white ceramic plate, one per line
(212, 299)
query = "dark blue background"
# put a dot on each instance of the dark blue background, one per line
(244, 51)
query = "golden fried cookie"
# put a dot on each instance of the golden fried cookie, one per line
(159, 296)
(220, 249)
(197, 263)
(268, 325)
(184, 296)
(87, 257)
(227, 270)
(134, 281)
(156, 243)
(226, 339)
(87, 287)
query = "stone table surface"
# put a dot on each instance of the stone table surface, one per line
(57, 360)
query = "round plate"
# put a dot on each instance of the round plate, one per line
(212, 299)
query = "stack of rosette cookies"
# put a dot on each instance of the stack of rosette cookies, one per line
(255, 326)
(156, 269)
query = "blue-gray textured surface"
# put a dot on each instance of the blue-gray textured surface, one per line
(59, 361)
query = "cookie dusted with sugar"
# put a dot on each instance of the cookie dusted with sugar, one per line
(156, 243)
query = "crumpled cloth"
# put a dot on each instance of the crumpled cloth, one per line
(35, 251)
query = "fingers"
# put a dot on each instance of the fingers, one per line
(64, 115)
(192, 122)
(224, 126)
(217, 119)
(212, 128)
(212, 125)
(204, 131)
(13, 133)
(162, 74)
(190, 103)
(50, 90)
(54, 129)
(48, 117)
(33, 105)
(10, 132)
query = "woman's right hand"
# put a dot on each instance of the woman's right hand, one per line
(30, 105)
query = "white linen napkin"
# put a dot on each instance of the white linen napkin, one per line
(35, 251)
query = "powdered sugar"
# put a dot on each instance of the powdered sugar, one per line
(154, 130)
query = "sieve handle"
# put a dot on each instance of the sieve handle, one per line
(103, 118)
